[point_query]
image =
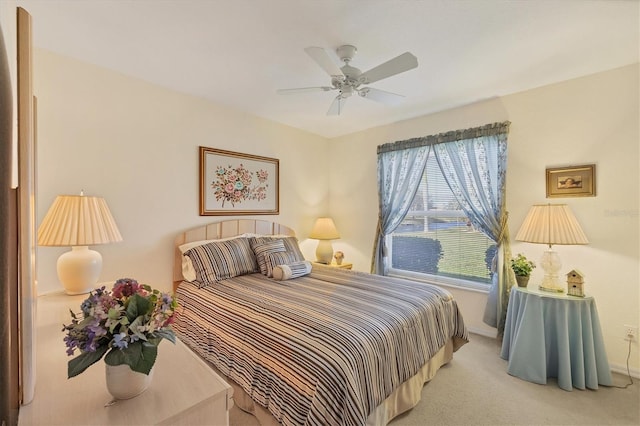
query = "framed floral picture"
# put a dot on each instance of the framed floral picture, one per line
(574, 181)
(232, 183)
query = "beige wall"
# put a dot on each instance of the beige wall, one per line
(594, 119)
(136, 145)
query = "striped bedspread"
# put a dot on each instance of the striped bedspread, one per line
(323, 349)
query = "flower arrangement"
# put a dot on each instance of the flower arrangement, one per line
(127, 324)
(522, 266)
(234, 185)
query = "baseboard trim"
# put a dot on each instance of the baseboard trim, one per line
(483, 332)
(615, 368)
(622, 369)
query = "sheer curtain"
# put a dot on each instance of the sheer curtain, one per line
(473, 162)
(400, 167)
(474, 166)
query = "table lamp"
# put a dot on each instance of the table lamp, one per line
(324, 230)
(551, 224)
(78, 221)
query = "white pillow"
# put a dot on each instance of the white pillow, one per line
(188, 271)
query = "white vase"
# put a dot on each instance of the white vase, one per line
(124, 383)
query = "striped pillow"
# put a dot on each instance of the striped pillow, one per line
(262, 249)
(292, 270)
(290, 243)
(220, 260)
(281, 258)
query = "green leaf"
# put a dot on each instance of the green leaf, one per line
(129, 355)
(149, 355)
(139, 356)
(166, 334)
(113, 313)
(138, 305)
(134, 327)
(84, 361)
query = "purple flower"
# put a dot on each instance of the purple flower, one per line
(119, 340)
(104, 323)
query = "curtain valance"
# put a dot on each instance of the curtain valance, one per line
(452, 136)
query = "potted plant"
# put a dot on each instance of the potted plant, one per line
(522, 267)
(125, 326)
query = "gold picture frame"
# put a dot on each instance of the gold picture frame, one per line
(233, 183)
(572, 181)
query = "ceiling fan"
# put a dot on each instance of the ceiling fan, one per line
(349, 80)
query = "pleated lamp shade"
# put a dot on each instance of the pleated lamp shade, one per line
(78, 221)
(551, 224)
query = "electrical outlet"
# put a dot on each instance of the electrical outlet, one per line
(630, 332)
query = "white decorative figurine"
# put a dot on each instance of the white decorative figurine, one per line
(339, 256)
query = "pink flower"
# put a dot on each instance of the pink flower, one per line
(125, 287)
(262, 175)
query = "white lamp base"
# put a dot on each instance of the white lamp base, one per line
(324, 252)
(79, 269)
(551, 264)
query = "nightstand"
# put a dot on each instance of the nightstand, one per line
(184, 389)
(344, 265)
(555, 335)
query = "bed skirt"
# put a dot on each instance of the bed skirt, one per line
(402, 399)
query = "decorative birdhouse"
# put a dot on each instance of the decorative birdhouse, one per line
(575, 283)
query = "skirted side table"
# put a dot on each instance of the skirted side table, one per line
(555, 335)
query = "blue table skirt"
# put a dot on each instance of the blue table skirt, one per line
(548, 335)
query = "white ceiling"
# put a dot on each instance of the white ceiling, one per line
(238, 52)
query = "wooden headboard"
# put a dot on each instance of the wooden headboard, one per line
(223, 229)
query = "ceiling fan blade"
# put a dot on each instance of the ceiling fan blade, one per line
(380, 96)
(304, 90)
(321, 57)
(397, 65)
(337, 105)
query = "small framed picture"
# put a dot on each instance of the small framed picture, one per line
(233, 183)
(574, 181)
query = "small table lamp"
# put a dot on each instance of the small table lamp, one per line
(78, 221)
(324, 230)
(551, 224)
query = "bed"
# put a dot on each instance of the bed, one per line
(310, 344)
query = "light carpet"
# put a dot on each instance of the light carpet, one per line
(475, 389)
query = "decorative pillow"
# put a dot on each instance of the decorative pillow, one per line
(290, 243)
(188, 272)
(220, 260)
(281, 258)
(292, 270)
(262, 249)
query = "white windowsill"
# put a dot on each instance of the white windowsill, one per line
(441, 281)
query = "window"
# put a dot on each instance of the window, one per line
(436, 241)
(424, 233)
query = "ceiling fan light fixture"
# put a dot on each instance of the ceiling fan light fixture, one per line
(346, 92)
(346, 52)
(347, 80)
